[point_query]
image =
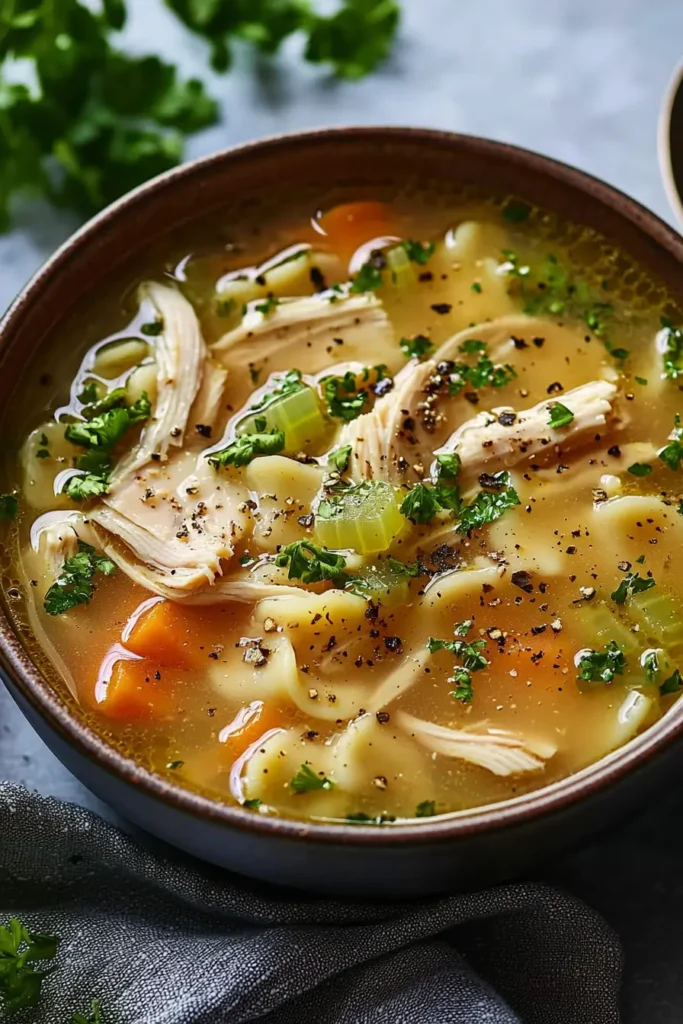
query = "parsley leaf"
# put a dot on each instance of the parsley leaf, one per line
(306, 780)
(463, 688)
(448, 465)
(420, 504)
(425, 809)
(672, 357)
(601, 666)
(339, 458)
(9, 506)
(94, 1016)
(632, 583)
(344, 399)
(246, 447)
(312, 564)
(252, 804)
(674, 684)
(488, 506)
(20, 980)
(672, 454)
(640, 469)
(560, 416)
(516, 212)
(267, 306)
(469, 653)
(287, 385)
(650, 665)
(360, 818)
(75, 585)
(417, 252)
(416, 347)
(369, 277)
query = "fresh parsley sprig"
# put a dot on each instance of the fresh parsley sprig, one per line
(672, 453)
(469, 652)
(246, 447)
(75, 585)
(312, 564)
(632, 583)
(306, 780)
(20, 951)
(601, 666)
(488, 505)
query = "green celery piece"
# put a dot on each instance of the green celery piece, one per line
(297, 414)
(364, 517)
(660, 621)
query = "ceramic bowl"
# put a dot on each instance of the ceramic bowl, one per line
(463, 850)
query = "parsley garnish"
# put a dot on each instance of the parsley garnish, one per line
(287, 385)
(267, 306)
(339, 458)
(409, 569)
(601, 666)
(74, 585)
(153, 329)
(672, 454)
(425, 809)
(94, 1016)
(306, 780)
(246, 447)
(416, 347)
(469, 653)
(674, 684)
(312, 564)
(20, 981)
(109, 419)
(672, 357)
(9, 506)
(650, 664)
(516, 212)
(560, 416)
(369, 277)
(476, 287)
(366, 819)
(417, 252)
(89, 394)
(488, 506)
(640, 469)
(420, 504)
(253, 804)
(344, 399)
(448, 465)
(632, 583)
(463, 688)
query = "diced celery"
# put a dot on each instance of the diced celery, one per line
(297, 413)
(382, 582)
(400, 270)
(601, 625)
(365, 517)
(660, 621)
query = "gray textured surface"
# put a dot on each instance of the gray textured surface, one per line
(580, 80)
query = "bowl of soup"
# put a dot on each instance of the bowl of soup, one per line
(342, 496)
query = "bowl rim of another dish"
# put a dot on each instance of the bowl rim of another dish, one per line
(35, 688)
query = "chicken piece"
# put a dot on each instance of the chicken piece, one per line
(497, 750)
(507, 437)
(305, 331)
(180, 354)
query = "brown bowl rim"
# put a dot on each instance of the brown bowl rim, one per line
(35, 689)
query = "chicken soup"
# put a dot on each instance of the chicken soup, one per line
(367, 518)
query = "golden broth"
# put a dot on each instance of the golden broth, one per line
(318, 701)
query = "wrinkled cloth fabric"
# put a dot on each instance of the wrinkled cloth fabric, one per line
(163, 939)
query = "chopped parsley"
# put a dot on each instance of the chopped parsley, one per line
(488, 505)
(153, 328)
(516, 212)
(640, 469)
(468, 652)
(448, 465)
(420, 504)
(418, 252)
(601, 666)
(632, 583)
(360, 818)
(20, 978)
(650, 665)
(9, 506)
(43, 452)
(674, 684)
(312, 564)
(560, 416)
(672, 357)
(410, 570)
(75, 585)
(268, 306)
(344, 399)
(306, 780)
(89, 394)
(425, 809)
(369, 277)
(463, 685)
(287, 385)
(252, 804)
(246, 447)
(339, 458)
(476, 287)
(416, 347)
(672, 453)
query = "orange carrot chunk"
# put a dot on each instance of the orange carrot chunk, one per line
(350, 225)
(134, 693)
(166, 633)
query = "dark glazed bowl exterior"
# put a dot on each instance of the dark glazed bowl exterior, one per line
(435, 855)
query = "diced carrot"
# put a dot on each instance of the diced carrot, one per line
(133, 692)
(166, 633)
(350, 225)
(247, 726)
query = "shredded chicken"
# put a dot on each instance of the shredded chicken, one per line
(180, 353)
(499, 751)
(520, 435)
(207, 409)
(317, 324)
(384, 439)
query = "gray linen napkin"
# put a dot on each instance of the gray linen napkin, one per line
(163, 939)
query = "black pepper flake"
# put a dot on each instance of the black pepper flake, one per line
(309, 734)
(519, 343)
(537, 630)
(472, 397)
(213, 656)
(507, 418)
(260, 279)
(306, 520)
(157, 675)
(393, 643)
(442, 308)
(523, 580)
(426, 275)
(624, 566)
(554, 387)
(372, 612)
(382, 717)
(155, 457)
(538, 342)
(203, 429)
(492, 481)
(615, 451)
(211, 712)
(571, 550)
